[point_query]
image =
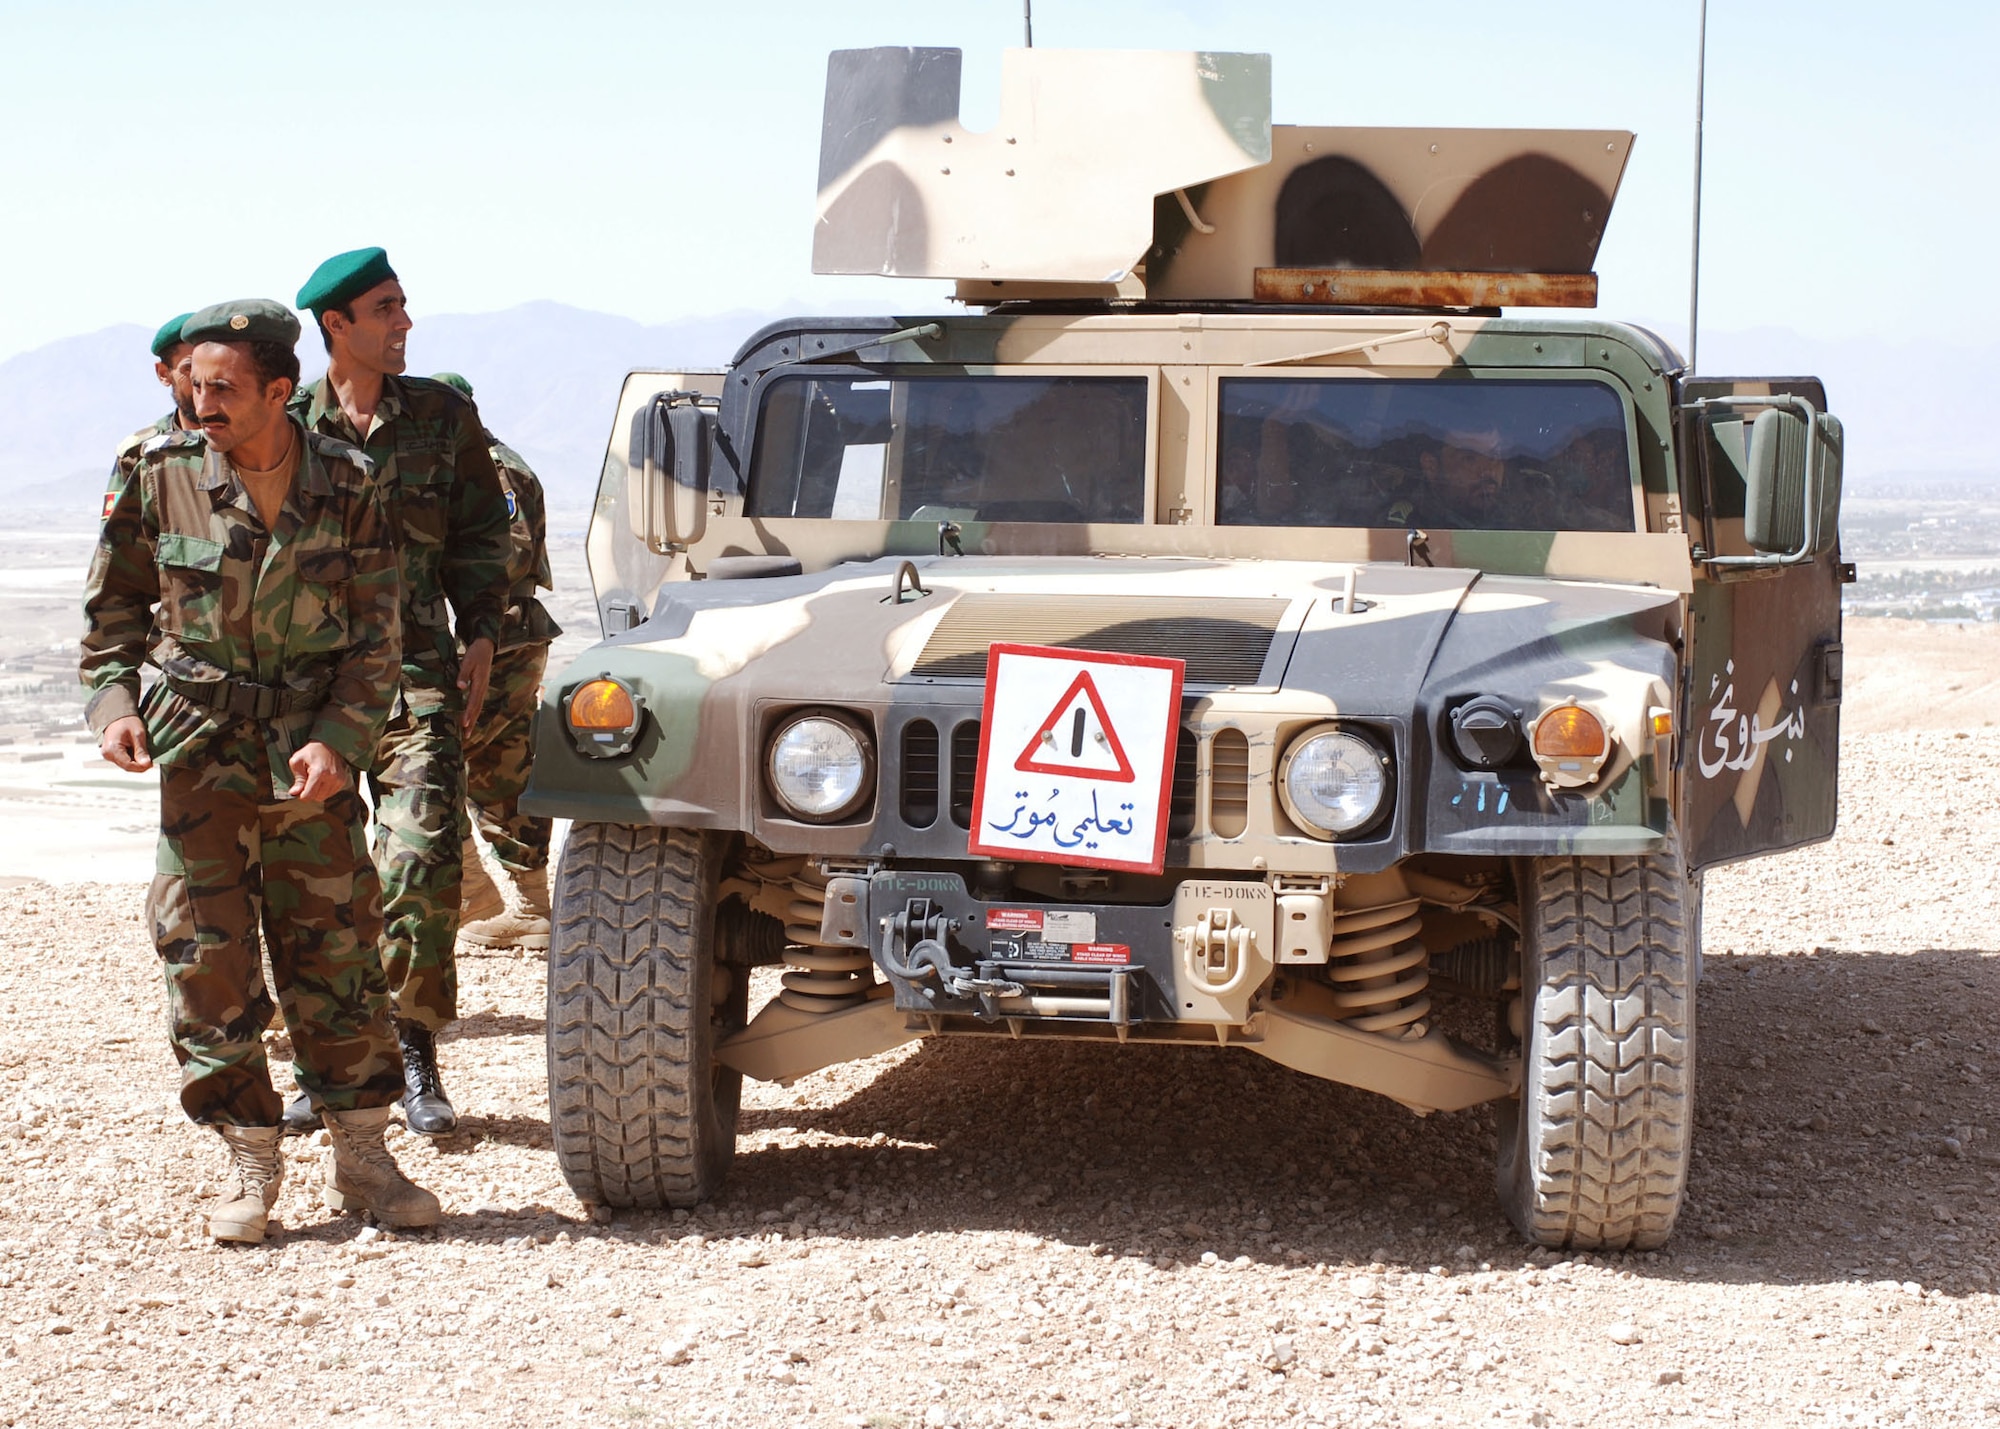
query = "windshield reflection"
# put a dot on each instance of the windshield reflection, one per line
(1493, 455)
(1060, 449)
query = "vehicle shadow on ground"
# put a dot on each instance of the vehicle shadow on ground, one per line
(1841, 1135)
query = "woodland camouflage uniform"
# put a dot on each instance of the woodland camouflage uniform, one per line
(498, 754)
(451, 517)
(127, 460)
(267, 640)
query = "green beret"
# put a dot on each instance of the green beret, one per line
(245, 320)
(344, 277)
(452, 379)
(169, 336)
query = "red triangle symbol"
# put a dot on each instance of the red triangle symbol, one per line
(1047, 738)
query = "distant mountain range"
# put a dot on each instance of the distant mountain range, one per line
(547, 377)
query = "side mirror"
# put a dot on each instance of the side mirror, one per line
(1792, 485)
(676, 433)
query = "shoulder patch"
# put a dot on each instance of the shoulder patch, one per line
(167, 441)
(339, 450)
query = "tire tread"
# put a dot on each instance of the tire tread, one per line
(630, 1109)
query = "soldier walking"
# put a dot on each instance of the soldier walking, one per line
(510, 908)
(427, 443)
(172, 361)
(255, 564)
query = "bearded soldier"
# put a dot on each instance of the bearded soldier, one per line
(172, 361)
(254, 563)
(427, 442)
(510, 908)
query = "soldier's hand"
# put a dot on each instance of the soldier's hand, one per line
(318, 773)
(124, 744)
(475, 668)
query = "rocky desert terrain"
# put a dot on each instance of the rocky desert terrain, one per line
(1022, 1234)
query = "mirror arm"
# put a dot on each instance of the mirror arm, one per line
(1815, 474)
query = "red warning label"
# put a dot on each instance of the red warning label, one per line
(1100, 953)
(1014, 920)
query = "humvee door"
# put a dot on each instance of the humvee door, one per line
(1761, 709)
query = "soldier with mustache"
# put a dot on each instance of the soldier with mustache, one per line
(254, 563)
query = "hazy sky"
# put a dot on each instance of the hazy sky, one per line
(657, 160)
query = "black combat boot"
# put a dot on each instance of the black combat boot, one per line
(425, 1106)
(301, 1115)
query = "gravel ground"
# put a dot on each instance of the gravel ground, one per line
(998, 1233)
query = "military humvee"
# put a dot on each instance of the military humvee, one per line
(1491, 631)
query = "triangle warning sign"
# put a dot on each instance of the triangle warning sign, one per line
(1077, 739)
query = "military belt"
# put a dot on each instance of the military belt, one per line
(245, 700)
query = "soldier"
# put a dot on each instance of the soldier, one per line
(172, 359)
(269, 555)
(1467, 479)
(452, 519)
(498, 752)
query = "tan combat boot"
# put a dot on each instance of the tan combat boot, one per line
(524, 922)
(365, 1177)
(477, 897)
(257, 1156)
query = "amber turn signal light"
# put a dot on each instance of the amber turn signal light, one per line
(1570, 732)
(601, 704)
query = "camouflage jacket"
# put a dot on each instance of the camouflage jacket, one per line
(127, 460)
(186, 577)
(526, 622)
(430, 450)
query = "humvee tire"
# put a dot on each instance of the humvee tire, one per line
(1594, 1153)
(641, 1112)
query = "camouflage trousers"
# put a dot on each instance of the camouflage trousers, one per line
(417, 786)
(231, 861)
(498, 756)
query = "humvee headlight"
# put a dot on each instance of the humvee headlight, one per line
(1570, 745)
(603, 716)
(1333, 781)
(820, 767)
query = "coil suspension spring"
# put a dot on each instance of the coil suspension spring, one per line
(1379, 968)
(818, 978)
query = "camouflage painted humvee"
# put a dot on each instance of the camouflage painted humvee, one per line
(1495, 631)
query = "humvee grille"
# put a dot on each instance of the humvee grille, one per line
(920, 774)
(964, 771)
(1181, 812)
(1229, 783)
(1223, 641)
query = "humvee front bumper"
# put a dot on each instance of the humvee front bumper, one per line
(946, 951)
(1208, 968)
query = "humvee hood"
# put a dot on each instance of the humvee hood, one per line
(1243, 625)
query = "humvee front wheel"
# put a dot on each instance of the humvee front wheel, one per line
(1594, 1153)
(641, 1112)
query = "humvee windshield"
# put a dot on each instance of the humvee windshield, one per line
(1492, 455)
(952, 448)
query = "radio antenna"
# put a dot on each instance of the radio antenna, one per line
(1694, 261)
(1028, 20)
